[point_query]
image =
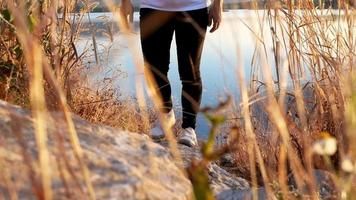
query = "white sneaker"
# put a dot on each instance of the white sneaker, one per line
(157, 131)
(187, 136)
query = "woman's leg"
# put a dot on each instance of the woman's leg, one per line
(156, 28)
(190, 32)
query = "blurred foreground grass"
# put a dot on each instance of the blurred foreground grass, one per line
(42, 70)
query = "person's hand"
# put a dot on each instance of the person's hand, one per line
(126, 12)
(215, 15)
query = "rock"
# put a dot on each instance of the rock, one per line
(242, 194)
(227, 160)
(122, 165)
(324, 183)
(223, 183)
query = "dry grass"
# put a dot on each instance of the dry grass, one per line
(38, 59)
(305, 98)
(40, 67)
(105, 107)
(68, 68)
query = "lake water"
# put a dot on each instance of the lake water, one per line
(225, 51)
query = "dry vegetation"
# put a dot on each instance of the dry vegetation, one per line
(307, 99)
(57, 35)
(41, 69)
(309, 94)
(105, 107)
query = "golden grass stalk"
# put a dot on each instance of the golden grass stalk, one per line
(253, 148)
(34, 62)
(38, 65)
(77, 149)
(40, 115)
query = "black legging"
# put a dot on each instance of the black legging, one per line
(157, 28)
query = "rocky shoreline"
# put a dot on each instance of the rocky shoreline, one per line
(123, 165)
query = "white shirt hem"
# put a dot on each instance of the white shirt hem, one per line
(197, 7)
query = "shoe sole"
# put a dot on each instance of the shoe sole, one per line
(186, 142)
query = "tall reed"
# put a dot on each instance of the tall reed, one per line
(41, 46)
(313, 49)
